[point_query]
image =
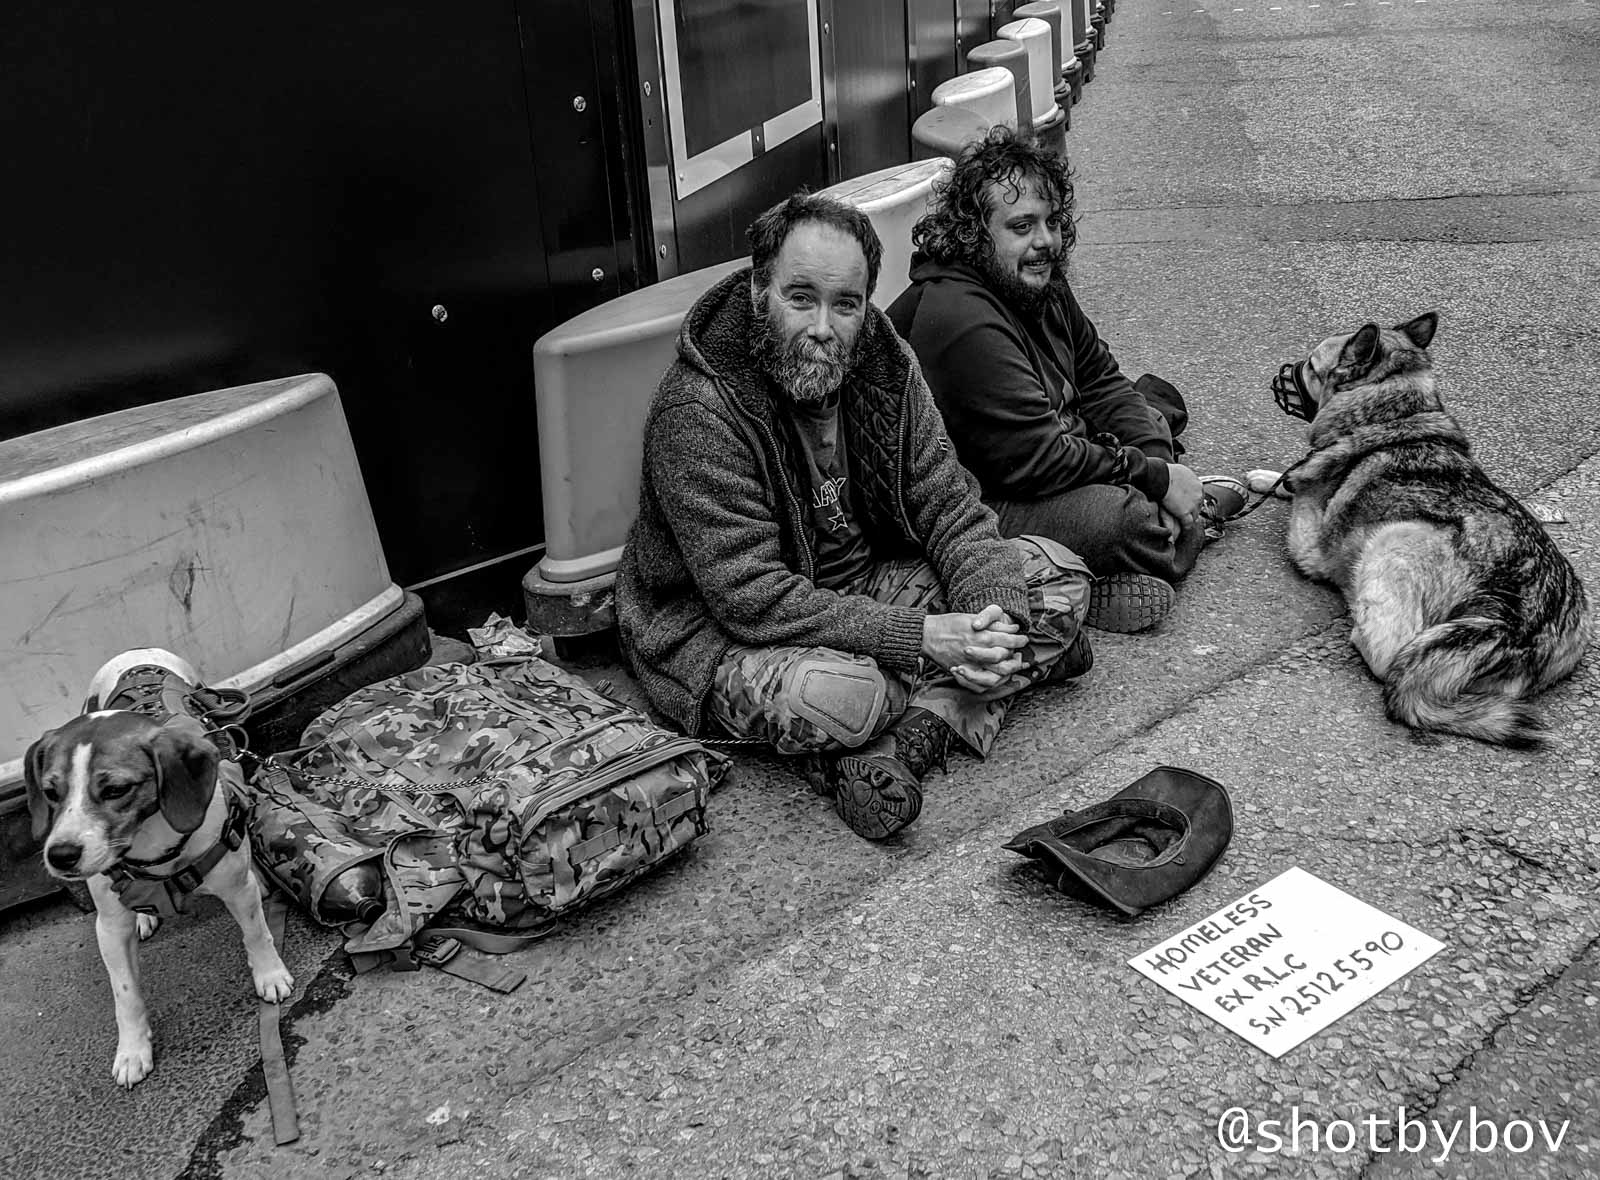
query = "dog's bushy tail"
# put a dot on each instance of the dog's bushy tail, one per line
(1462, 676)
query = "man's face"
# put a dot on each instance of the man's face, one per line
(813, 309)
(1026, 234)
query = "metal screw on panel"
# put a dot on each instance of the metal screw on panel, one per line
(580, 104)
(661, 250)
(826, 31)
(440, 312)
(597, 275)
(647, 90)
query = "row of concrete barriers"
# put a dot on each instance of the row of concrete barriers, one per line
(1028, 77)
(595, 374)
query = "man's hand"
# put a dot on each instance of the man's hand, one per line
(981, 651)
(1184, 493)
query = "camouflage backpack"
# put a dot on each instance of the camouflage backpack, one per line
(496, 796)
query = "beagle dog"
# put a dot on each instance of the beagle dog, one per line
(117, 792)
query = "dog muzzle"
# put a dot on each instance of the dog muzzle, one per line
(1290, 392)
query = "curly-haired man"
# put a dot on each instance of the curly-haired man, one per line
(811, 566)
(1063, 444)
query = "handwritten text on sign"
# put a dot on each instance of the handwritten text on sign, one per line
(1286, 960)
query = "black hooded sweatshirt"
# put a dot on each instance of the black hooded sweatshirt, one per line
(1029, 401)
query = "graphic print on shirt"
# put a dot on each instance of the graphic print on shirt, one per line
(823, 466)
(829, 493)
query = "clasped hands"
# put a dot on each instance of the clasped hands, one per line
(982, 651)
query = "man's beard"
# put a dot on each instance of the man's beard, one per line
(1026, 299)
(809, 373)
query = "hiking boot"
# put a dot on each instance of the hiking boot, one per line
(876, 794)
(922, 741)
(1076, 661)
(1128, 603)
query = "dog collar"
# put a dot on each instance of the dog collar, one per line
(165, 895)
(169, 855)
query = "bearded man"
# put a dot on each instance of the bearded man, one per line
(1063, 444)
(811, 566)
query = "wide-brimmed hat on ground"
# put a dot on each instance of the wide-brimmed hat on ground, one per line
(1147, 843)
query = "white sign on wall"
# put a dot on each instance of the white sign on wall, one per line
(1286, 960)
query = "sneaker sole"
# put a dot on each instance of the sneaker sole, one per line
(873, 803)
(1129, 603)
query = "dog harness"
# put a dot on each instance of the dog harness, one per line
(153, 691)
(167, 894)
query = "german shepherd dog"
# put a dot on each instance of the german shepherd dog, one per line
(1460, 601)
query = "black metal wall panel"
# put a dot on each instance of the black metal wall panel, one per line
(972, 24)
(571, 73)
(711, 223)
(867, 57)
(223, 194)
(931, 43)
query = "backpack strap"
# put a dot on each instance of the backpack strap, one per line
(274, 1066)
(379, 756)
(492, 942)
(439, 947)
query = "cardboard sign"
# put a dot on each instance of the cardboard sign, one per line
(1286, 960)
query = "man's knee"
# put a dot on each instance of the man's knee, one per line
(1146, 540)
(1057, 577)
(847, 700)
(1115, 514)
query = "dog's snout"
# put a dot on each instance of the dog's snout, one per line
(64, 855)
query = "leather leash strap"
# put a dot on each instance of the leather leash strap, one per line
(280, 1089)
(1271, 492)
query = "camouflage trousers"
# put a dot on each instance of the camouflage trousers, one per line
(812, 700)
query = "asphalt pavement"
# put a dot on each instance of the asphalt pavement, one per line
(788, 1000)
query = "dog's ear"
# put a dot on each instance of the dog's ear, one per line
(1360, 351)
(1420, 330)
(186, 772)
(34, 763)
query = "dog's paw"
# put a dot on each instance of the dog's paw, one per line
(133, 1062)
(1263, 482)
(275, 984)
(148, 925)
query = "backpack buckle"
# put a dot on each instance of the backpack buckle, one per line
(435, 950)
